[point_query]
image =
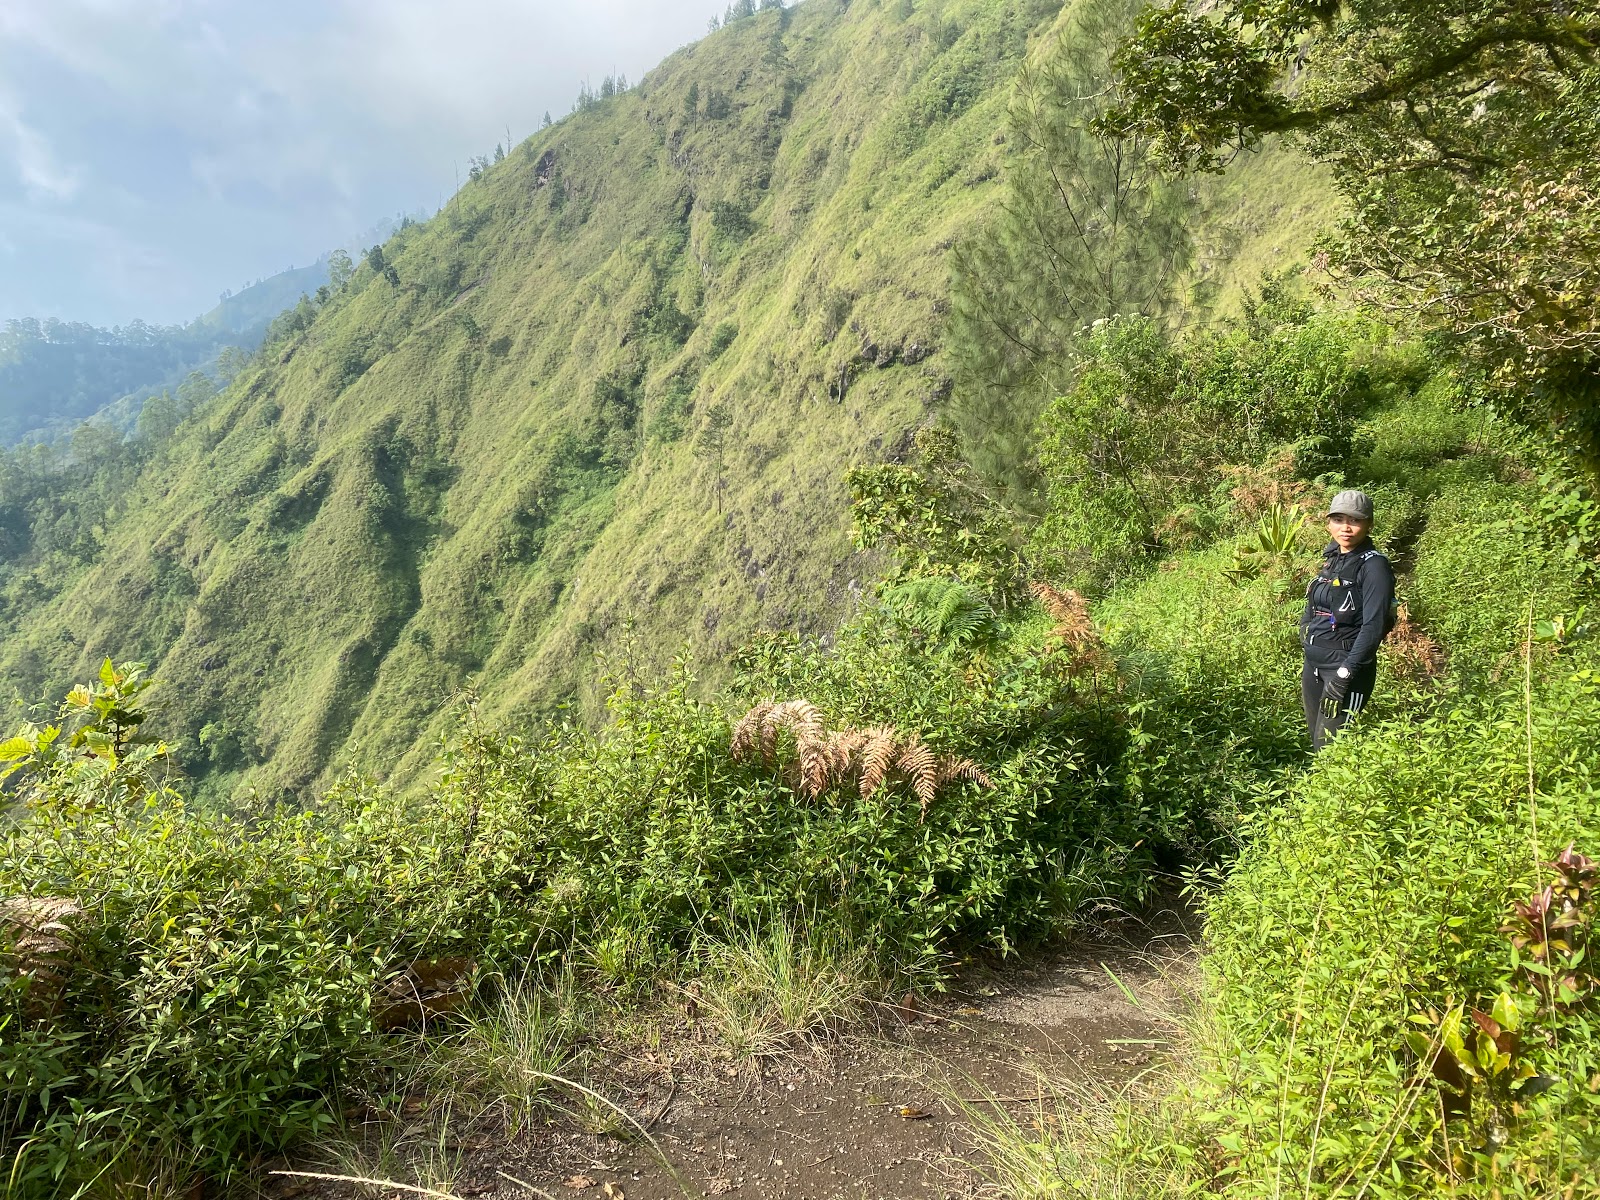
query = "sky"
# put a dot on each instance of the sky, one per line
(154, 153)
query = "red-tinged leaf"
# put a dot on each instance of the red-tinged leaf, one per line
(1504, 1039)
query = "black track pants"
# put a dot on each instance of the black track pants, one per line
(1324, 719)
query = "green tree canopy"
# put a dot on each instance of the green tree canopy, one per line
(340, 268)
(1460, 132)
(1089, 228)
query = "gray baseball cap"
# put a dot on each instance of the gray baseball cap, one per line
(1351, 503)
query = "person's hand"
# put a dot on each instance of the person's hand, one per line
(1337, 686)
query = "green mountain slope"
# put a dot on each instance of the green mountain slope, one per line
(254, 307)
(614, 384)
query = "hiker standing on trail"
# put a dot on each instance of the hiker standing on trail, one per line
(1349, 611)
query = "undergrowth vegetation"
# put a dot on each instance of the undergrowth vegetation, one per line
(1396, 1000)
(1054, 705)
(229, 976)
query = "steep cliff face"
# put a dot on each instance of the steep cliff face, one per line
(613, 385)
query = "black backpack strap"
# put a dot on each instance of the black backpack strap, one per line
(1390, 617)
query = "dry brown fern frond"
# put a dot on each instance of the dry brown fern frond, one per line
(750, 733)
(823, 759)
(1070, 611)
(845, 747)
(757, 731)
(1074, 629)
(804, 721)
(816, 767)
(1414, 655)
(801, 717)
(878, 758)
(953, 769)
(37, 929)
(920, 766)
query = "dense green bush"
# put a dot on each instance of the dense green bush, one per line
(221, 971)
(940, 520)
(1141, 440)
(1058, 830)
(221, 984)
(656, 832)
(1211, 671)
(1484, 573)
(1374, 893)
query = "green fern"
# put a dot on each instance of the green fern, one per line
(943, 610)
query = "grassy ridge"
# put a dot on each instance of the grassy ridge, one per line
(616, 380)
(483, 472)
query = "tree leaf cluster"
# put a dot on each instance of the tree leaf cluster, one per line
(1088, 228)
(1461, 136)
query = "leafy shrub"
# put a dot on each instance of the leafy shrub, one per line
(221, 978)
(1374, 891)
(718, 840)
(1150, 423)
(225, 975)
(1484, 572)
(938, 519)
(1210, 668)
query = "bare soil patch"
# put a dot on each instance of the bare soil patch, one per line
(867, 1116)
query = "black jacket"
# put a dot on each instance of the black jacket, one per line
(1347, 608)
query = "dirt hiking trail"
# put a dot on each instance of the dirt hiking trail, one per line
(868, 1116)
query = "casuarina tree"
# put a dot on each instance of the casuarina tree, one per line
(1089, 228)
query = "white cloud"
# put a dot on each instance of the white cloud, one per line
(125, 269)
(478, 61)
(35, 162)
(117, 41)
(239, 136)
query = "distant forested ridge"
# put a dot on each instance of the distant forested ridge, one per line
(55, 374)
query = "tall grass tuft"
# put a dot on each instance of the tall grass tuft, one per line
(770, 990)
(394, 1156)
(1076, 1143)
(505, 1055)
